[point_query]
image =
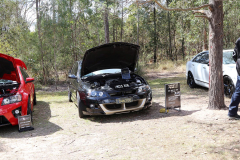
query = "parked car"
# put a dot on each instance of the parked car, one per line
(17, 93)
(197, 71)
(104, 82)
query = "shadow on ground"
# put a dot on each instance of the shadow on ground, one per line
(42, 125)
(147, 114)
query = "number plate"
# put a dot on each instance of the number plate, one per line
(123, 100)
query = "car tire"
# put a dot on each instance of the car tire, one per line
(69, 95)
(190, 81)
(34, 98)
(80, 107)
(29, 110)
(80, 110)
(229, 87)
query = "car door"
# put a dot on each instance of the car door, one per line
(205, 69)
(196, 68)
(28, 86)
(200, 68)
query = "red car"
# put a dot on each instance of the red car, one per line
(17, 93)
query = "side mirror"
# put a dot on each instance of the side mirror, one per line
(71, 76)
(28, 80)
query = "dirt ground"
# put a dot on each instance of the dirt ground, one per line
(193, 133)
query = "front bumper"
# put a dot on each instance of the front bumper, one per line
(123, 108)
(6, 114)
(108, 106)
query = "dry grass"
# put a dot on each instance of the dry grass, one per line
(167, 66)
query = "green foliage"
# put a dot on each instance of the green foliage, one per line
(141, 70)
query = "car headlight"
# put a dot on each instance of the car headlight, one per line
(144, 88)
(93, 93)
(12, 99)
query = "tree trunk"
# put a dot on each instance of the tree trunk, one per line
(183, 52)
(122, 23)
(113, 32)
(106, 25)
(155, 36)
(40, 39)
(98, 29)
(216, 90)
(169, 32)
(137, 24)
(116, 33)
(205, 38)
(54, 45)
(174, 45)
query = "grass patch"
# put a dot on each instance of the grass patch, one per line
(167, 66)
(54, 94)
(185, 89)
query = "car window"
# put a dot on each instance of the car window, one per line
(104, 71)
(24, 74)
(227, 57)
(197, 58)
(202, 58)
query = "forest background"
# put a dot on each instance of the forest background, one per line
(65, 29)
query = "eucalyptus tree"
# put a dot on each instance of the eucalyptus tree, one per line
(215, 17)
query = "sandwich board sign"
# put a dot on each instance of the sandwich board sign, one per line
(172, 96)
(25, 123)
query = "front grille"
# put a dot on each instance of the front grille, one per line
(3, 121)
(132, 104)
(115, 94)
(122, 93)
(113, 106)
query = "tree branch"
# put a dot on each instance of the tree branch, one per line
(200, 11)
(205, 13)
(203, 16)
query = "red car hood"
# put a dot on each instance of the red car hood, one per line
(9, 64)
(15, 61)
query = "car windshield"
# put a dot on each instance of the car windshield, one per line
(227, 57)
(104, 71)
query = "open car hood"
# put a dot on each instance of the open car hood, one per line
(109, 56)
(9, 64)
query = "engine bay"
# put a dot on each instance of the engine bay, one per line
(114, 81)
(8, 87)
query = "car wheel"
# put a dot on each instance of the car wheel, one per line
(80, 107)
(229, 87)
(34, 98)
(190, 81)
(69, 95)
(29, 110)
